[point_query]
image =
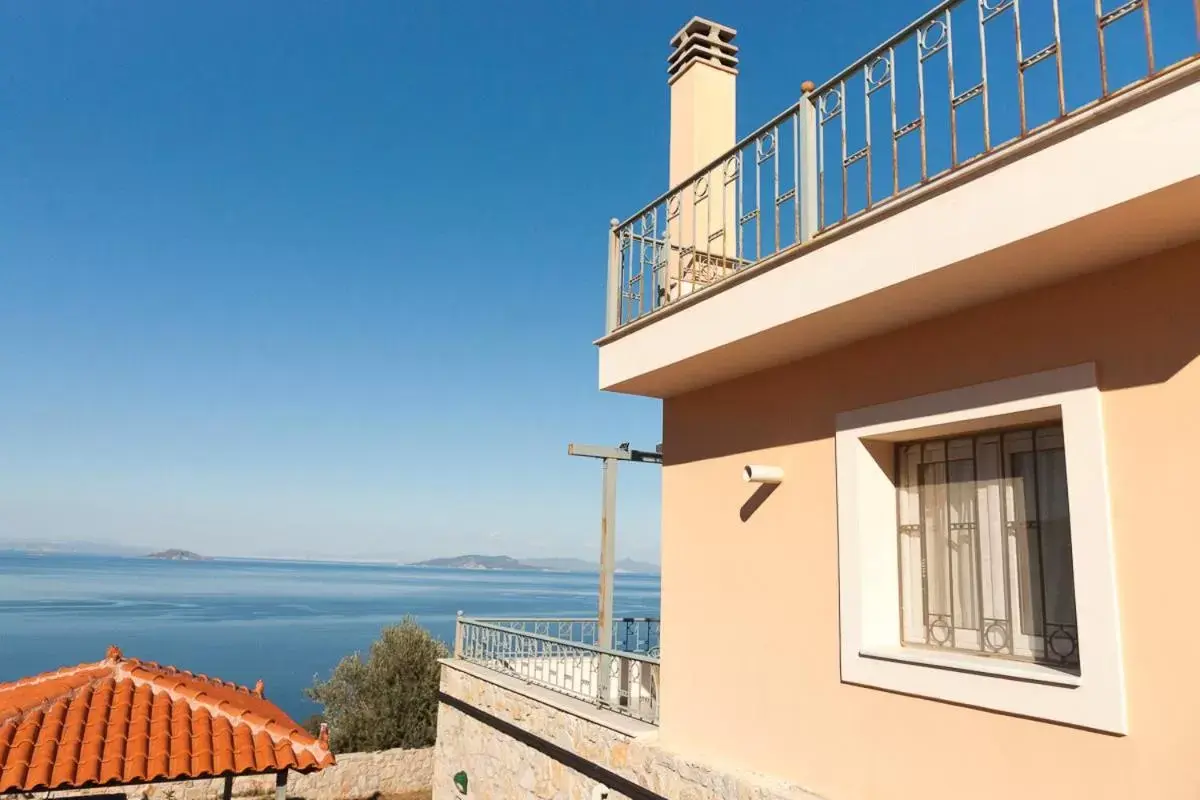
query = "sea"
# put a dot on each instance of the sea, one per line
(286, 622)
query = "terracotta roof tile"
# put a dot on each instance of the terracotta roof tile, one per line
(122, 720)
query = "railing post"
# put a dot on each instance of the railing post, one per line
(458, 635)
(612, 311)
(810, 220)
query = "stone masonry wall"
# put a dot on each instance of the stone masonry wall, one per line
(501, 767)
(355, 776)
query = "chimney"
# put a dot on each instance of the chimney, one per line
(701, 227)
(702, 74)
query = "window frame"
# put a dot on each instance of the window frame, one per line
(868, 558)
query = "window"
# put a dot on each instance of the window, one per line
(985, 545)
(975, 552)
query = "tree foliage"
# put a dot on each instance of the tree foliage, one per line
(388, 700)
(313, 724)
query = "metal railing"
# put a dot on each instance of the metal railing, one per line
(619, 680)
(964, 80)
(738, 210)
(637, 635)
(629, 634)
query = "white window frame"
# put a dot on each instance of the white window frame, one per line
(868, 557)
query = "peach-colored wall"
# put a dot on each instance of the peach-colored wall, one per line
(750, 596)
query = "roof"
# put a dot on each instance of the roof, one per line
(122, 720)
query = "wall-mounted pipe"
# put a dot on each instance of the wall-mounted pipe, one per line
(757, 473)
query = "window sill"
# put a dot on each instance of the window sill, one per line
(977, 665)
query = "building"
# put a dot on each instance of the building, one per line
(103, 727)
(928, 346)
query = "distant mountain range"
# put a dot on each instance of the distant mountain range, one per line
(75, 546)
(84, 547)
(474, 561)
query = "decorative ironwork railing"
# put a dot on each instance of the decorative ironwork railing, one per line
(740, 209)
(964, 80)
(636, 635)
(629, 634)
(619, 680)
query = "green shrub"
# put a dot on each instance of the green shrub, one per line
(390, 699)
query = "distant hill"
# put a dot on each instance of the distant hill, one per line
(551, 564)
(178, 555)
(474, 562)
(632, 565)
(70, 546)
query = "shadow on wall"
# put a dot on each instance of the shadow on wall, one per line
(757, 499)
(1137, 321)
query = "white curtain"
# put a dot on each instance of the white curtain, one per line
(985, 543)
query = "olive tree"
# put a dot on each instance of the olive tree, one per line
(388, 700)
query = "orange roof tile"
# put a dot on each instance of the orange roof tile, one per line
(122, 720)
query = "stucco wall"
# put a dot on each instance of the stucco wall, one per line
(752, 672)
(533, 761)
(354, 777)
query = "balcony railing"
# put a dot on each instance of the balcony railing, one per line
(563, 655)
(967, 79)
(629, 634)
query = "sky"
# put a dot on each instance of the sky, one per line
(301, 278)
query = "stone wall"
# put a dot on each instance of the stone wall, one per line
(515, 742)
(355, 776)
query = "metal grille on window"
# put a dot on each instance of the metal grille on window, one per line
(985, 546)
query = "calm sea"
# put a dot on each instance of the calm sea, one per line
(284, 622)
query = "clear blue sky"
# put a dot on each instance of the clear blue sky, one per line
(299, 277)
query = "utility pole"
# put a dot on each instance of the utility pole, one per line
(610, 457)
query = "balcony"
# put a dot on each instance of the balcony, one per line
(987, 148)
(567, 656)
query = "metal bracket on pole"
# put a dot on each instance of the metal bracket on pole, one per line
(611, 457)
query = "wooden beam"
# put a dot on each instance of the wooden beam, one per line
(608, 558)
(621, 453)
(610, 458)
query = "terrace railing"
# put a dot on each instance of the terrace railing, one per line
(967, 79)
(562, 655)
(629, 635)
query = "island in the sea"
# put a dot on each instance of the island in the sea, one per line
(178, 555)
(475, 562)
(539, 564)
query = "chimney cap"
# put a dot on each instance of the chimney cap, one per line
(719, 49)
(704, 27)
(702, 40)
